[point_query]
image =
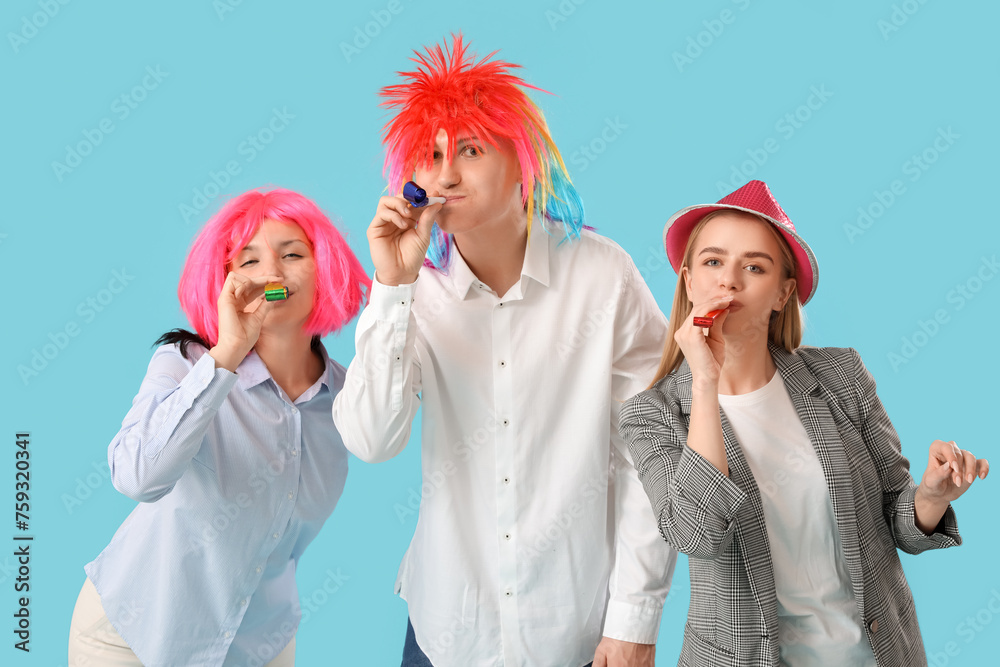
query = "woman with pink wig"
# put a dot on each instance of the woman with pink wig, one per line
(229, 448)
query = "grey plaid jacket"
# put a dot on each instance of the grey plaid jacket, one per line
(718, 521)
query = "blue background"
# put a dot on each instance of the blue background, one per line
(675, 132)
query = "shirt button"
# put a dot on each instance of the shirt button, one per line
(290, 495)
(502, 364)
(243, 603)
(506, 536)
(506, 422)
(508, 593)
(225, 634)
(506, 480)
(295, 452)
(295, 411)
(275, 536)
(501, 304)
(873, 626)
(258, 570)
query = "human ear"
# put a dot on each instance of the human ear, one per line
(786, 291)
(686, 277)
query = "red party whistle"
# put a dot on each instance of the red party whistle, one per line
(708, 320)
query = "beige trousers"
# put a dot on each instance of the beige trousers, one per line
(94, 642)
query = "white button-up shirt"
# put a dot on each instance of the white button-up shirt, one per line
(534, 536)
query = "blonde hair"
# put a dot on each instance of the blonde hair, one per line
(784, 327)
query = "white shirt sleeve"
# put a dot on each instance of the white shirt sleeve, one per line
(375, 409)
(643, 562)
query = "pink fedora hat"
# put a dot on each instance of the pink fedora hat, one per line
(754, 198)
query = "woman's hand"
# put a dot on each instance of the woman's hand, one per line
(704, 354)
(950, 472)
(398, 237)
(242, 309)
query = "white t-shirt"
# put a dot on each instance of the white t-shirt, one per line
(818, 618)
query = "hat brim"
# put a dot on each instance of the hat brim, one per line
(679, 227)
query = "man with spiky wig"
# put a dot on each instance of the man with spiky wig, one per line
(520, 331)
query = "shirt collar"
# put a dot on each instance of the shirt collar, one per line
(536, 263)
(252, 371)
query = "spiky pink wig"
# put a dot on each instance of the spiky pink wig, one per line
(341, 282)
(453, 91)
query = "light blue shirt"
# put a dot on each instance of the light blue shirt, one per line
(234, 480)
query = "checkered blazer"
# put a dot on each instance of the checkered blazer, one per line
(718, 521)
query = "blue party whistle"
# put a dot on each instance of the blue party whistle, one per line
(417, 196)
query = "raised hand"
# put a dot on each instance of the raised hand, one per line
(398, 237)
(704, 354)
(951, 471)
(242, 309)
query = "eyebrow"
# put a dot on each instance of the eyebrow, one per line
(752, 254)
(250, 247)
(462, 142)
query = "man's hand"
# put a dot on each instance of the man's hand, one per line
(616, 653)
(398, 237)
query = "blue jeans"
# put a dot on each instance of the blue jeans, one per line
(413, 656)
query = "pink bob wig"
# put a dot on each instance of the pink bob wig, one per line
(341, 282)
(453, 91)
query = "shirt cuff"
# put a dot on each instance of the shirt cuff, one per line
(636, 623)
(391, 303)
(208, 384)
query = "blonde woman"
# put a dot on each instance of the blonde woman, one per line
(774, 466)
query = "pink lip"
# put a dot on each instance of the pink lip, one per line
(451, 199)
